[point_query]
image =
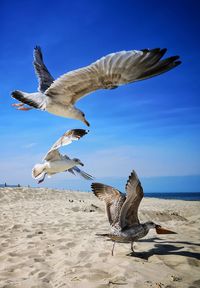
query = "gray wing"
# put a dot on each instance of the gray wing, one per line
(113, 199)
(44, 77)
(68, 137)
(129, 211)
(53, 155)
(81, 173)
(109, 72)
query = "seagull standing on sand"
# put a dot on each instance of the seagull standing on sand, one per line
(59, 97)
(54, 162)
(122, 212)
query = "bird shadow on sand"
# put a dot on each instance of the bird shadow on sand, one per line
(160, 240)
(166, 248)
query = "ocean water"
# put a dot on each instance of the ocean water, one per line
(189, 196)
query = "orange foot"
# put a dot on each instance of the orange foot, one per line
(24, 108)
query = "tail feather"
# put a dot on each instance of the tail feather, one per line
(23, 97)
(38, 171)
(102, 235)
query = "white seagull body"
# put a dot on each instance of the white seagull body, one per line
(60, 96)
(54, 162)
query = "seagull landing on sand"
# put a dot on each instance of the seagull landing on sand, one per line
(59, 97)
(122, 212)
(54, 162)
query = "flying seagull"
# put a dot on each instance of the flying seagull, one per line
(122, 212)
(54, 162)
(60, 96)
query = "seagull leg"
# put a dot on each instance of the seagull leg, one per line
(113, 248)
(132, 246)
(41, 180)
(17, 104)
(24, 108)
(20, 106)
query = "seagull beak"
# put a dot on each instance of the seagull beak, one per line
(86, 122)
(81, 163)
(161, 230)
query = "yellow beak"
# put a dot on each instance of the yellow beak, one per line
(86, 122)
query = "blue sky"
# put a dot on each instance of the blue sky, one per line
(151, 126)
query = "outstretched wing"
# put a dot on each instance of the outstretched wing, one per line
(109, 72)
(129, 211)
(68, 137)
(113, 199)
(53, 155)
(80, 172)
(44, 77)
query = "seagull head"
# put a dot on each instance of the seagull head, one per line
(79, 115)
(78, 161)
(82, 118)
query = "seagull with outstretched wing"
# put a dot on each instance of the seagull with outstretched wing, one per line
(60, 96)
(54, 162)
(122, 211)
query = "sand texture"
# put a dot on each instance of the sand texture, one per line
(48, 240)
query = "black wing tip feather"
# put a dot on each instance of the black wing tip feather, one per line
(177, 63)
(88, 176)
(37, 48)
(173, 58)
(160, 67)
(37, 55)
(77, 133)
(80, 132)
(155, 50)
(161, 52)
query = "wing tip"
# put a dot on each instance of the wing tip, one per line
(133, 177)
(177, 63)
(37, 48)
(95, 186)
(155, 50)
(78, 133)
(88, 176)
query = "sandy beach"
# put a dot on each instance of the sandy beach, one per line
(48, 240)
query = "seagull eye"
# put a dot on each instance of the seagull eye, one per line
(83, 114)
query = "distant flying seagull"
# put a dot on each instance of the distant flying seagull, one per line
(54, 162)
(122, 212)
(59, 97)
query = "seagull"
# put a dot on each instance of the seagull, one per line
(55, 162)
(122, 212)
(60, 96)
